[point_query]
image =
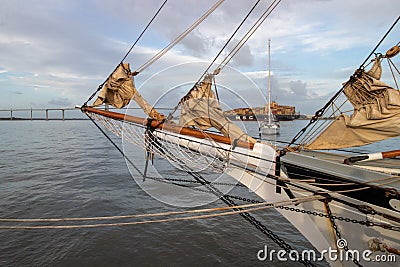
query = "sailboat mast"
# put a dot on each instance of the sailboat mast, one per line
(269, 81)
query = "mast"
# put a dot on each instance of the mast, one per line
(269, 81)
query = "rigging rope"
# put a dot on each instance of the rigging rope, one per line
(140, 36)
(212, 189)
(127, 53)
(236, 48)
(251, 219)
(185, 161)
(230, 38)
(179, 38)
(236, 210)
(260, 205)
(115, 145)
(390, 63)
(379, 43)
(244, 212)
(248, 34)
(364, 209)
(321, 111)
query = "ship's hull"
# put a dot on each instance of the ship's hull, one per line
(279, 117)
(353, 223)
(269, 130)
(259, 177)
(362, 199)
(335, 176)
(255, 166)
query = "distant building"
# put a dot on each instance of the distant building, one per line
(282, 113)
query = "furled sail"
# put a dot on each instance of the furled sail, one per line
(119, 89)
(199, 108)
(376, 113)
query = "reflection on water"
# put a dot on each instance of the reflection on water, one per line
(68, 169)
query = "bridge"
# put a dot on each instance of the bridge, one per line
(74, 113)
(30, 111)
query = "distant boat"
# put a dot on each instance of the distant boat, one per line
(281, 113)
(270, 126)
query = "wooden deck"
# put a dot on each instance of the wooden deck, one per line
(393, 163)
(384, 172)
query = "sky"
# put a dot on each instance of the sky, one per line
(56, 53)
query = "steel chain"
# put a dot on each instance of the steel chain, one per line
(194, 182)
(253, 201)
(337, 232)
(276, 239)
(320, 214)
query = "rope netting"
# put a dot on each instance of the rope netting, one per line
(181, 152)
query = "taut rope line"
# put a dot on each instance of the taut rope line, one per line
(243, 208)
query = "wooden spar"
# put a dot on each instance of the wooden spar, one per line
(373, 156)
(168, 127)
(391, 154)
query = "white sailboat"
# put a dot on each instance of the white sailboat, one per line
(270, 126)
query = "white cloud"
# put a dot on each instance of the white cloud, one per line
(60, 102)
(69, 47)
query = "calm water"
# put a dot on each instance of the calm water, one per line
(68, 169)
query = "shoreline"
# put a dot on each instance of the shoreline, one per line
(42, 119)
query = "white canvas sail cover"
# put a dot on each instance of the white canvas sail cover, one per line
(199, 108)
(376, 113)
(119, 89)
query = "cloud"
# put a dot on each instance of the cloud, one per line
(298, 88)
(195, 44)
(60, 102)
(244, 57)
(67, 48)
